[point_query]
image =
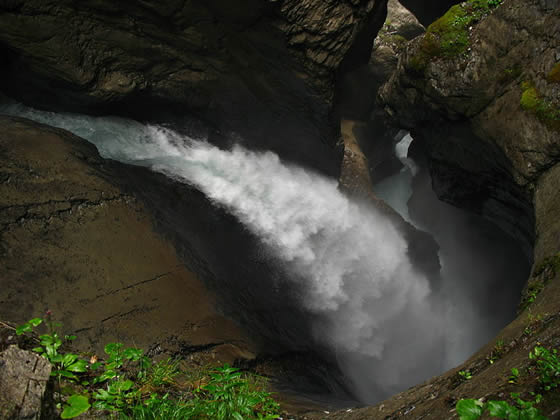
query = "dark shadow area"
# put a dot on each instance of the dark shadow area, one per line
(484, 269)
(427, 11)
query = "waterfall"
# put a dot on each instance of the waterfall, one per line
(348, 259)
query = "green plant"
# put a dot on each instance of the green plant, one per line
(129, 385)
(464, 375)
(229, 396)
(116, 397)
(470, 409)
(497, 352)
(158, 408)
(548, 364)
(76, 405)
(162, 373)
(514, 377)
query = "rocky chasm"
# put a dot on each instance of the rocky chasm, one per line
(337, 265)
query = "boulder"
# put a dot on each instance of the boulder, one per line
(23, 380)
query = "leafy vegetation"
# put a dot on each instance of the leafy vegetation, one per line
(548, 366)
(534, 323)
(497, 351)
(449, 35)
(464, 375)
(129, 385)
(514, 377)
(469, 409)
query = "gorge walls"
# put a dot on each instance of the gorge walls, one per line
(483, 99)
(265, 69)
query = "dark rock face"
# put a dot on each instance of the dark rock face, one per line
(263, 68)
(487, 146)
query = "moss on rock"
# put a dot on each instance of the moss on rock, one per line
(554, 75)
(449, 36)
(546, 111)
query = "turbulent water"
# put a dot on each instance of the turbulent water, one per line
(370, 305)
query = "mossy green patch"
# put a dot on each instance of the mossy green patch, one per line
(449, 35)
(554, 75)
(546, 111)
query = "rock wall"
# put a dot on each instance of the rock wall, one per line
(263, 68)
(484, 100)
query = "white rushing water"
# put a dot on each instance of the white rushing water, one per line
(396, 189)
(371, 305)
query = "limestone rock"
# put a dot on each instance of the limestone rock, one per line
(23, 379)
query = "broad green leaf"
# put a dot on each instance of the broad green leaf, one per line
(469, 409)
(46, 339)
(69, 358)
(113, 348)
(531, 414)
(23, 329)
(70, 337)
(95, 366)
(108, 374)
(35, 322)
(102, 393)
(121, 386)
(133, 353)
(64, 373)
(501, 409)
(57, 358)
(78, 366)
(77, 404)
(38, 350)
